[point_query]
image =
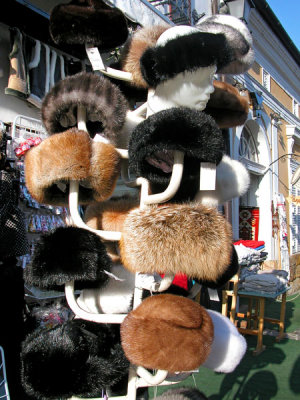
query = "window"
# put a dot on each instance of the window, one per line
(247, 147)
(266, 80)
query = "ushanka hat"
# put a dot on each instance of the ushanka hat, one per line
(78, 358)
(88, 22)
(67, 254)
(167, 332)
(153, 141)
(71, 155)
(192, 239)
(105, 106)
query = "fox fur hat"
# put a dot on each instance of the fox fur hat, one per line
(78, 358)
(105, 105)
(153, 141)
(71, 155)
(92, 22)
(67, 254)
(192, 239)
(185, 393)
(238, 38)
(167, 332)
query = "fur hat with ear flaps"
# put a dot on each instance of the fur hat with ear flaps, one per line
(67, 254)
(167, 332)
(105, 106)
(77, 358)
(91, 22)
(71, 155)
(153, 141)
(177, 238)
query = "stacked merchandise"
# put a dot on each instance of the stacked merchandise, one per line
(130, 318)
(250, 252)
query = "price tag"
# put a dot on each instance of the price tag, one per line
(95, 58)
(207, 176)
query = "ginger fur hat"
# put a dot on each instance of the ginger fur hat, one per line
(167, 332)
(192, 239)
(71, 155)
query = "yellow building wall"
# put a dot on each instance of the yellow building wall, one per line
(255, 72)
(281, 95)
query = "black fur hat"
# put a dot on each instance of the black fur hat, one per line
(231, 270)
(105, 104)
(184, 129)
(67, 254)
(77, 358)
(196, 49)
(88, 22)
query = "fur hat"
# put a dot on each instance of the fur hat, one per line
(184, 129)
(227, 106)
(185, 393)
(189, 238)
(167, 332)
(229, 272)
(88, 22)
(105, 105)
(238, 39)
(77, 358)
(71, 155)
(228, 347)
(67, 254)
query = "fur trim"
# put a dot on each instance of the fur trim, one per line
(191, 131)
(105, 170)
(186, 393)
(167, 332)
(199, 49)
(227, 106)
(105, 104)
(228, 273)
(58, 158)
(232, 180)
(67, 254)
(238, 38)
(188, 238)
(142, 39)
(88, 21)
(228, 348)
(78, 358)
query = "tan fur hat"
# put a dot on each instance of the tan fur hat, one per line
(167, 332)
(192, 239)
(71, 155)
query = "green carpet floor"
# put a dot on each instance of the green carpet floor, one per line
(274, 374)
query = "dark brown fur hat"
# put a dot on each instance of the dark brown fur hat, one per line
(105, 105)
(88, 21)
(71, 155)
(167, 332)
(189, 238)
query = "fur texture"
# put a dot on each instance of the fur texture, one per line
(78, 358)
(67, 254)
(167, 332)
(141, 40)
(238, 38)
(227, 106)
(189, 238)
(185, 393)
(71, 155)
(105, 104)
(199, 49)
(191, 131)
(88, 21)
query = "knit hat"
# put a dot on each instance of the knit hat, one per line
(71, 155)
(78, 358)
(67, 254)
(167, 332)
(105, 106)
(88, 22)
(189, 238)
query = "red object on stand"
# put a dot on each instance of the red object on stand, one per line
(249, 223)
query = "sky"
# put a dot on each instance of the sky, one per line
(288, 13)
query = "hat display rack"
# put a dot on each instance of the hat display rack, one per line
(173, 95)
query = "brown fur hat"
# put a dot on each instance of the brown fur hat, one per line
(189, 238)
(71, 155)
(142, 39)
(227, 106)
(167, 332)
(104, 102)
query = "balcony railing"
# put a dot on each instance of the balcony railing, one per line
(178, 11)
